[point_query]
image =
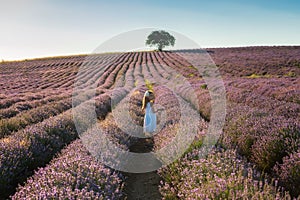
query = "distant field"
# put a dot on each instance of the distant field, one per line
(257, 156)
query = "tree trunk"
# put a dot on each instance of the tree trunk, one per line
(160, 47)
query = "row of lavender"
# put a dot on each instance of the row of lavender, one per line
(34, 146)
(291, 137)
(42, 112)
(265, 140)
(236, 181)
(22, 111)
(146, 75)
(38, 73)
(54, 187)
(265, 128)
(87, 72)
(28, 147)
(221, 175)
(283, 89)
(264, 61)
(75, 173)
(23, 105)
(8, 100)
(257, 125)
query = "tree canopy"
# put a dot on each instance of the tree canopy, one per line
(160, 39)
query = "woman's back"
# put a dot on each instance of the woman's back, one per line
(150, 118)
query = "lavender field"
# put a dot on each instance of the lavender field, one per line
(256, 157)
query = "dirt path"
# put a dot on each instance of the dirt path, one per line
(142, 185)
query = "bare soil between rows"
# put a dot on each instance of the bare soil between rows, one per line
(140, 186)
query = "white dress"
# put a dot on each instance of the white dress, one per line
(149, 120)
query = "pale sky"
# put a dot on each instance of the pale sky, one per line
(39, 28)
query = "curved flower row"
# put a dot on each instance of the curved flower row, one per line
(73, 174)
(264, 134)
(102, 104)
(23, 119)
(19, 107)
(35, 145)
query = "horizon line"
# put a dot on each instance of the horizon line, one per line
(85, 53)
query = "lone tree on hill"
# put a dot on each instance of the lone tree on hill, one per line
(161, 39)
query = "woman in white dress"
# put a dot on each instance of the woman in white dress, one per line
(150, 116)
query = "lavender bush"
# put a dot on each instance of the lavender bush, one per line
(30, 148)
(222, 175)
(33, 116)
(288, 172)
(73, 174)
(27, 105)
